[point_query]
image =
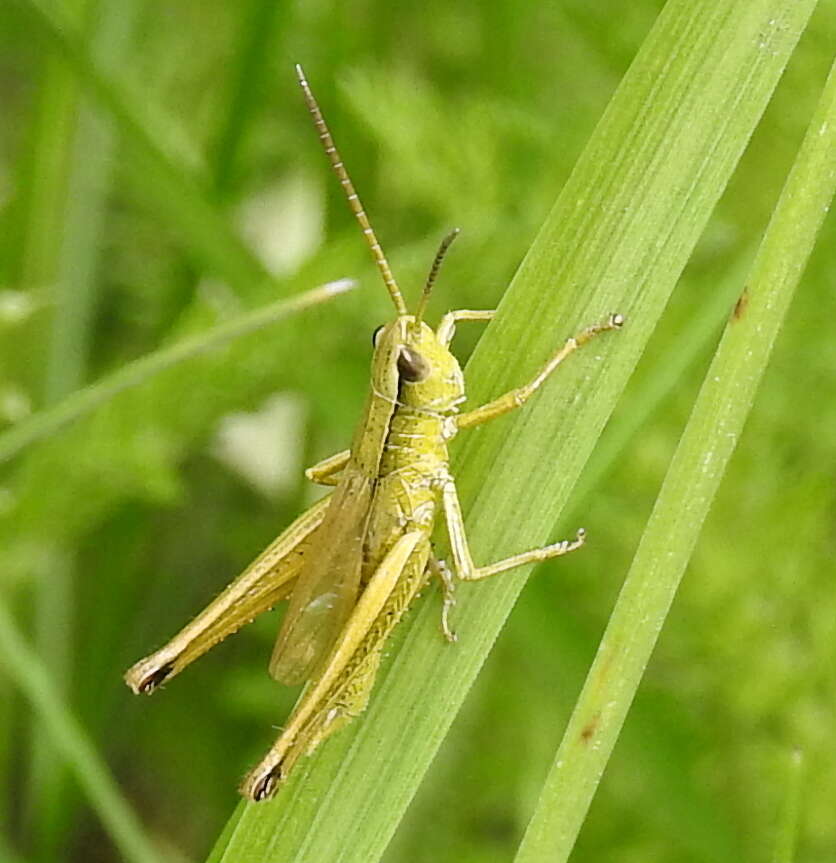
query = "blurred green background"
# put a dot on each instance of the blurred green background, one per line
(182, 185)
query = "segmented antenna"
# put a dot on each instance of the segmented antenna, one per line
(428, 285)
(351, 194)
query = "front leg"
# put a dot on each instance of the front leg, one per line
(327, 471)
(519, 396)
(447, 326)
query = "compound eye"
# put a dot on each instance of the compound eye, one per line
(376, 335)
(412, 367)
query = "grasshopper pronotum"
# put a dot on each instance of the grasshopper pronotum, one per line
(352, 564)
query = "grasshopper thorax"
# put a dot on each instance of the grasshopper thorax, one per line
(415, 369)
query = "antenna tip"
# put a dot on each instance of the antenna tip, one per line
(300, 73)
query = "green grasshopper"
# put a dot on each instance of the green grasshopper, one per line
(354, 562)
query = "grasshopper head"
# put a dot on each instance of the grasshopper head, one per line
(412, 365)
(414, 368)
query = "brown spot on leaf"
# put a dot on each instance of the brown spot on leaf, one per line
(588, 731)
(741, 305)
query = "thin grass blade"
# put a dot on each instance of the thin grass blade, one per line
(697, 467)
(82, 402)
(70, 740)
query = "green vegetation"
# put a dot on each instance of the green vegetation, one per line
(162, 186)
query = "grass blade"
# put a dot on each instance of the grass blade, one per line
(249, 71)
(165, 169)
(690, 485)
(45, 172)
(791, 816)
(617, 239)
(133, 374)
(72, 743)
(82, 213)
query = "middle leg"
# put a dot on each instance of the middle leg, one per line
(465, 568)
(440, 569)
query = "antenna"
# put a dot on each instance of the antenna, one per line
(428, 286)
(351, 194)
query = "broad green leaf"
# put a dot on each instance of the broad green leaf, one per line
(617, 239)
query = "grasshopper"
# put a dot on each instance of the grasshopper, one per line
(354, 562)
